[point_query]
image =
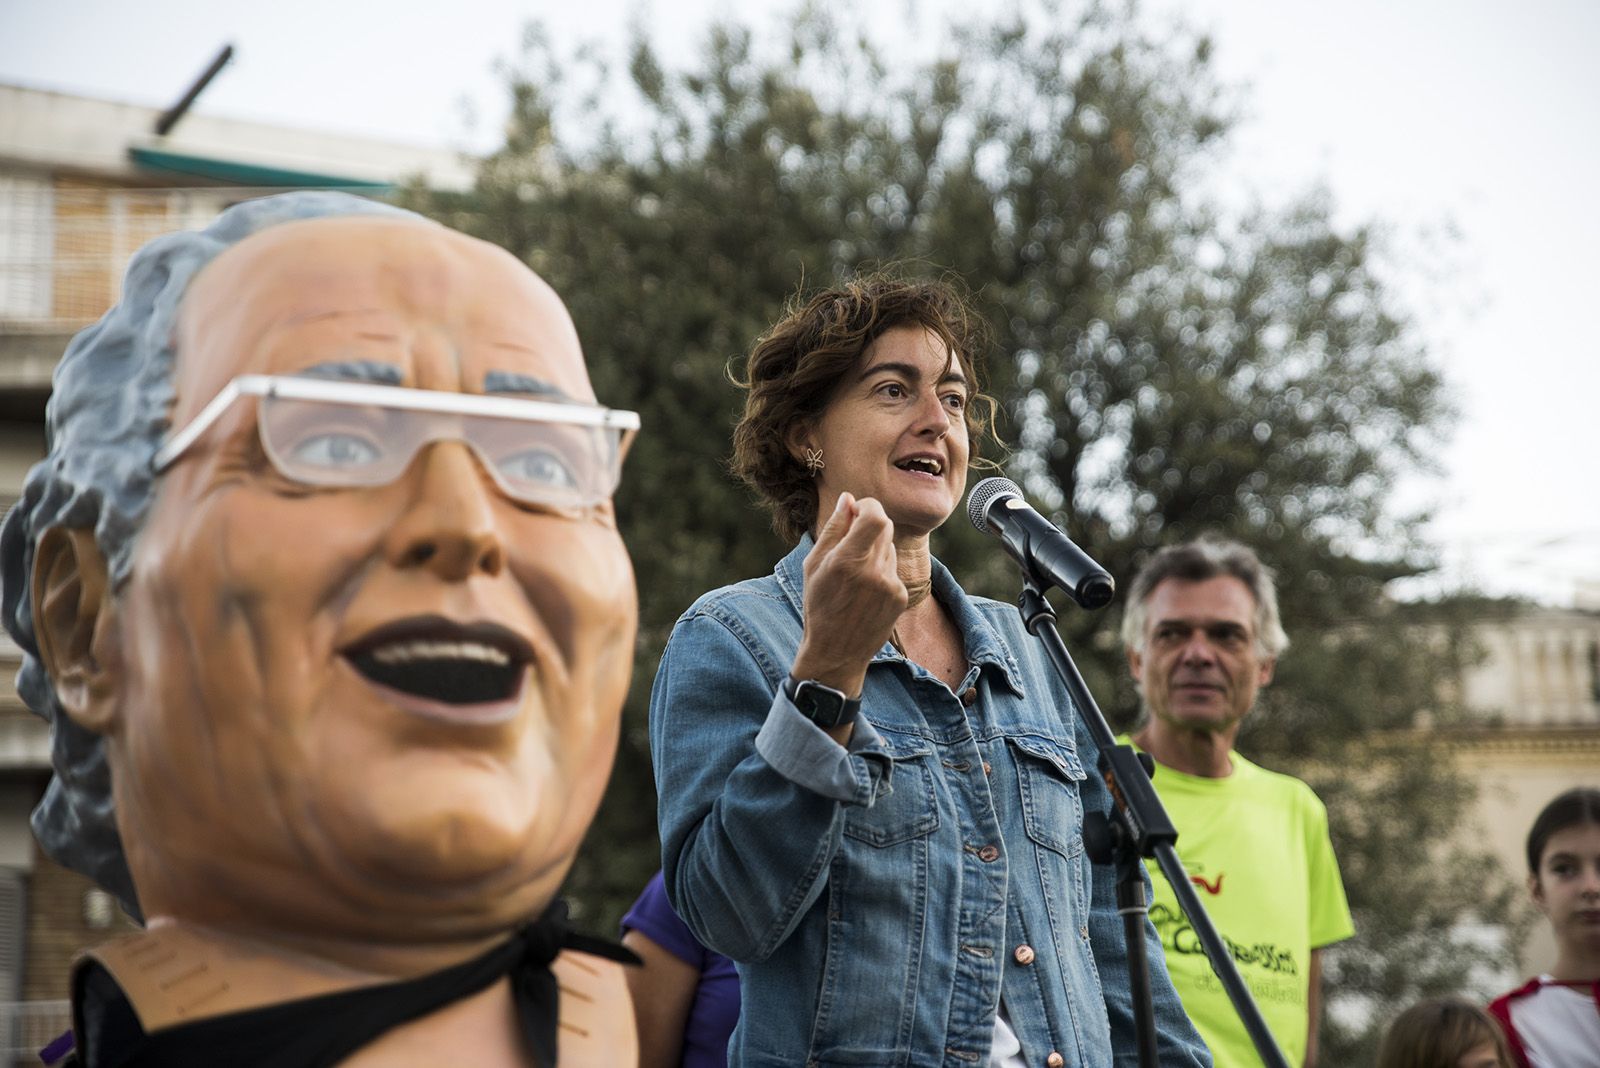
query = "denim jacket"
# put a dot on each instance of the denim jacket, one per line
(881, 899)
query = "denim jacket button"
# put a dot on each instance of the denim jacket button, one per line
(1024, 954)
(988, 853)
(987, 770)
(1055, 1060)
(969, 696)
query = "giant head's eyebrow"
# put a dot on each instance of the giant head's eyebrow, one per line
(515, 382)
(383, 374)
(330, 313)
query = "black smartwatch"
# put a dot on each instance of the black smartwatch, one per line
(823, 705)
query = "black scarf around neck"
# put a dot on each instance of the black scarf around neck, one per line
(321, 1031)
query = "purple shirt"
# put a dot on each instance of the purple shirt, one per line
(715, 1010)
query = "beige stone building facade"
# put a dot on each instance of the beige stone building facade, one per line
(1536, 701)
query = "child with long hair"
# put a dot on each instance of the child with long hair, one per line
(1553, 1021)
(1443, 1033)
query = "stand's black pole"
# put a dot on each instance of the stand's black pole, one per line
(1133, 909)
(1141, 828)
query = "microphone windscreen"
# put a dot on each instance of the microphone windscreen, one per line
(983, 494)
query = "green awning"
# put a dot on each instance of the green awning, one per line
(248, 174)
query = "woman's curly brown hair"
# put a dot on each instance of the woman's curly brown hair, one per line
(795, 369)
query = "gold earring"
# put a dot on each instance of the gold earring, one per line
(813, 461)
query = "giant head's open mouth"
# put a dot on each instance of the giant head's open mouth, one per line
(441, 660)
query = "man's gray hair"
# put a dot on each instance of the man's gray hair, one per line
(1197, 561)
(109, 410)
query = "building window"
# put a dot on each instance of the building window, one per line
(27, 206)
(13, 930)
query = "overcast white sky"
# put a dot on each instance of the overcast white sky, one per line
(1477, 117)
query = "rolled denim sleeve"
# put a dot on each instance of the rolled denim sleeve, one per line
(751, 795)
(1179, 1044)
(804, 754)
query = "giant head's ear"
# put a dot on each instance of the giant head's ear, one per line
(72, 615)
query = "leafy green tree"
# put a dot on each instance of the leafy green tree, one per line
(1163, 371)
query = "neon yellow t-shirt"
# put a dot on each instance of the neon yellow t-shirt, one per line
(1255, 845)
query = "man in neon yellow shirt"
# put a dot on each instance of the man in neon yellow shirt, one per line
(1202, 635)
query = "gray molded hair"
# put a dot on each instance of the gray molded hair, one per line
(108, 412)
(1197, 561)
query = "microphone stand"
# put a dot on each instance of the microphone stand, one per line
(1141, 828)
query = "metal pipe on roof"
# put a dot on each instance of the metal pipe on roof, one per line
(170, 117)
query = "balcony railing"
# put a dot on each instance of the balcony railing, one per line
(63, 250)
(64, 247)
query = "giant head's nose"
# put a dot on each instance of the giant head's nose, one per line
(449, 524)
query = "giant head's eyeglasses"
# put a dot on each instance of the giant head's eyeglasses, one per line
(322, 432)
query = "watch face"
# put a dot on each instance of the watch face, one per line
(821, 704)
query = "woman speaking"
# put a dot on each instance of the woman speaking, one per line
(871, 785)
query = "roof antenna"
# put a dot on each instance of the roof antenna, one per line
(170, 117)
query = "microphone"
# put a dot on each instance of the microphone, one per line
(996, 507)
